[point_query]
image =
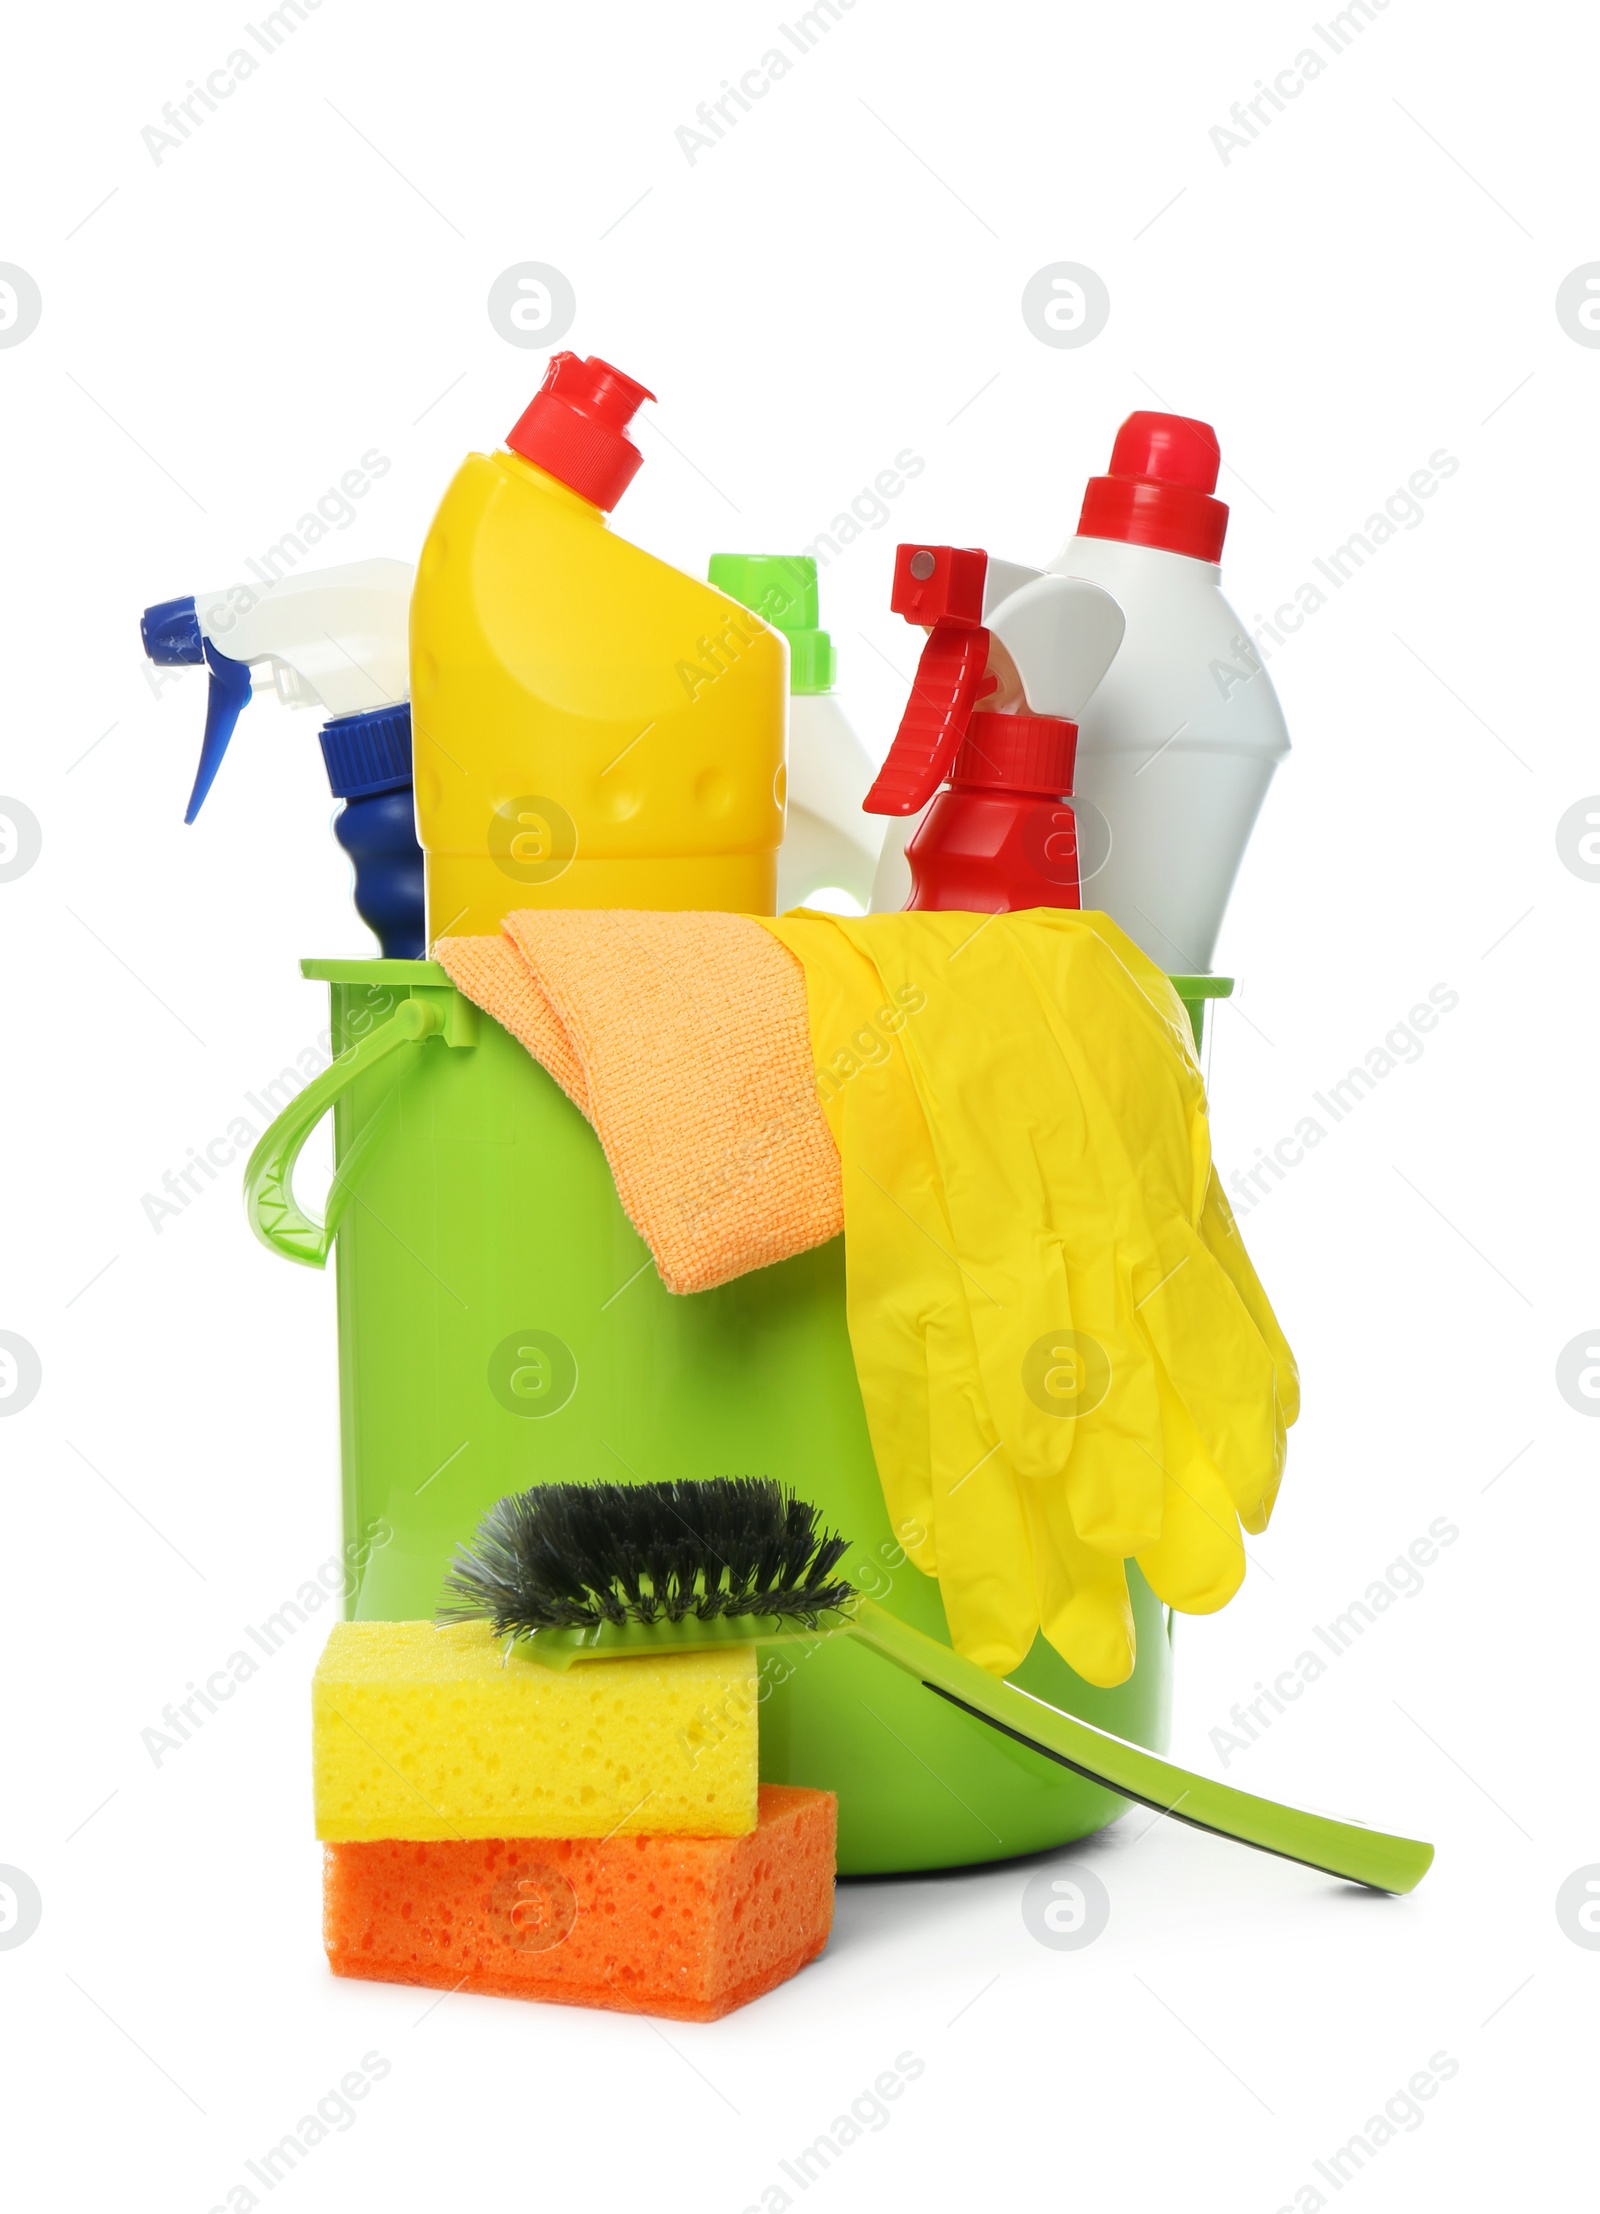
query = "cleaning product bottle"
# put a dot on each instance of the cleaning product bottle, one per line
(828, 843)
(334, 639)
(1001, 834)
(1178, 745)
(593, 728)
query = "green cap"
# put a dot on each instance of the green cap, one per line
(782, 590)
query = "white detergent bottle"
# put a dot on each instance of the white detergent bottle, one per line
(1177, 746)
(828, 843)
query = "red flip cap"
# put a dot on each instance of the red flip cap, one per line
(575, 427)
(941, 586)
(1163, 471)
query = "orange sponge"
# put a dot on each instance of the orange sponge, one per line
(689, 1927)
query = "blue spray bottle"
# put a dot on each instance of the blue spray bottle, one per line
(335, 639)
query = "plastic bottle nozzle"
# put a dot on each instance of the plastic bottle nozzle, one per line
(334, 638)
(171, 634)
(173, 639)
(941, 586)
(575, 427)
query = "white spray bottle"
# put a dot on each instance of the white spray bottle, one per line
(335, 639)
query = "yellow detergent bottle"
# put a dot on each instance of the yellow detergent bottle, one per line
(591, 727)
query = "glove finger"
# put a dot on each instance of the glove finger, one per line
(1213, 1358)
(1198, 1562)
(1221, 1234)
(1113, 1485)
(1256, 1516)
(987, 1577)
(1084, 1609)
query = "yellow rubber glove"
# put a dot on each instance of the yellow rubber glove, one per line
(1065, 1356)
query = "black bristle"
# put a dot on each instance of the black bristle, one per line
(572, 1556)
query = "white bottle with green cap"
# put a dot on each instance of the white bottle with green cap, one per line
(828, 843)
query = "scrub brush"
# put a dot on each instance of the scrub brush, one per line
(569, 1572)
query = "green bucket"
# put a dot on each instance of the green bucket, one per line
(501, 1324)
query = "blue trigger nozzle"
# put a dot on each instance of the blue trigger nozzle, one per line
(171, 634)
(174, 640)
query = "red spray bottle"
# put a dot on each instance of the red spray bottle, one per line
(1011, 657)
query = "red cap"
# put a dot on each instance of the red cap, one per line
(575, 426)
(1017, 753)
(1163, 471)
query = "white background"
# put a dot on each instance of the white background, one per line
(224, 333)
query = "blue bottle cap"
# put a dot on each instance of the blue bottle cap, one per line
(368, 753)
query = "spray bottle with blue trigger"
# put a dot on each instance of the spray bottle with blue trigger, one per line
(334, 639)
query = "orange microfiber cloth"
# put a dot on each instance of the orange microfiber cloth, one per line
(689, 1927)
(730, 1170)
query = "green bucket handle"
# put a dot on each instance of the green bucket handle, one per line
(276, 1216)
(431, 1009)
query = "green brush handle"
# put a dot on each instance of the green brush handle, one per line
(1341, 1849)
(1338, 1848)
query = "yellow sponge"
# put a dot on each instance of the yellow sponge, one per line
(428, 1733)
